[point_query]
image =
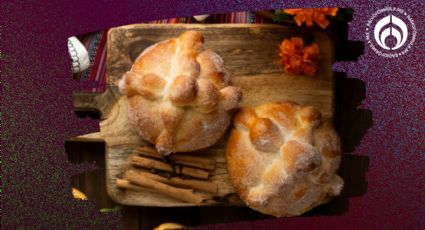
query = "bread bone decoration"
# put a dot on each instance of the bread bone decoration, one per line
(179, 94)
(282, 159)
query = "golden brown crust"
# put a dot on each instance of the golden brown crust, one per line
(183, 90)
(230, 97)
(208, 96)
(282, 159)
(179, 94)
(265, 135)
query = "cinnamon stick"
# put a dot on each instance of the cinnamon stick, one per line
(125, 184)
(149, 152)
(194, 164)
(193, 161)
(176, 181)
(178, 193)
(200, 160)
(154, 164)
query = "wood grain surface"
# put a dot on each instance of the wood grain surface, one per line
(251, 56)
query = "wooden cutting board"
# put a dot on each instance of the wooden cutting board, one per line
(250, 53)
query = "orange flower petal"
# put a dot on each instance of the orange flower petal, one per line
(311, 16)
(309, 22)
(329, 11)
(297, 58)
(311, 52)
(299, 20)
(292, 11)
(298, 42)
(309, 70)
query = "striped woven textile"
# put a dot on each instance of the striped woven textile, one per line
(96, 44)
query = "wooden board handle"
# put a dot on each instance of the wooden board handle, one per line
(96, 102)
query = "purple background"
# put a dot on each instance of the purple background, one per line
(37, 113)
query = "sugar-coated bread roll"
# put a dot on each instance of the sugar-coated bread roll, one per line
(282, 158)
(179, 94)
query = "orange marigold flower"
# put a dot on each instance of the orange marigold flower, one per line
(297, 58)
(311, 16)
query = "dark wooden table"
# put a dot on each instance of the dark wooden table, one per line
(350, 122)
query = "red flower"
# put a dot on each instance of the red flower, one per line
(311, 16)
(297, 58)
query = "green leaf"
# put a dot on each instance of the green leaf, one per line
(280, 18)
(278, 12)
(116, 208)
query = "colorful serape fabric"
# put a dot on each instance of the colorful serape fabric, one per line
(95, 44)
